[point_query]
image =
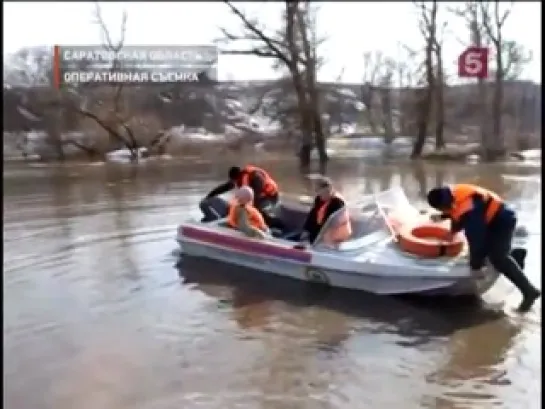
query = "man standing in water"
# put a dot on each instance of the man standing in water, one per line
(489, 226)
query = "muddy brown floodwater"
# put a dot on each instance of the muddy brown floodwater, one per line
(97, 316)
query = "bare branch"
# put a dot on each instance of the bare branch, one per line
(494, 31)
(501, 20)
(109, 44)
(252, 28)
(253, 51)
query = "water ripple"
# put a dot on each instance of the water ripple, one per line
(97, 316)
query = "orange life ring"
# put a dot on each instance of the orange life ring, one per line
(427, 240)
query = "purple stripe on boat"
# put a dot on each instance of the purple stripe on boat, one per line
(236, 243)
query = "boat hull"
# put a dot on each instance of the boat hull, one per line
(327, 268)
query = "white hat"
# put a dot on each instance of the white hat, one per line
(244, 195)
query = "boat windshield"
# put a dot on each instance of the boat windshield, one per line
(393, 206)
(372, 219)
(395, 201)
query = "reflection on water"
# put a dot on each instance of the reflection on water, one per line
(97, 315)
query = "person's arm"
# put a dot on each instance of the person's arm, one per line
(244, 225)
(474, 224)
(223, 188)
(437, 217)
(311, 215)
(334, 205)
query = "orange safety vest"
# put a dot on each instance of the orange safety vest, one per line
(256, 219)
(270, 188)
(340, 232)
(463, 203)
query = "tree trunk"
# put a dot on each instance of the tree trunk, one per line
(485, 131)
(497, 148)
(304, 154)
(317, 126)
(439, 104)
(313, 102)
(320, 141)
(303, 101)
(54, 136)
(387, 115)
(424, 106)
(306, 124)
(367, 95)
(55, 140)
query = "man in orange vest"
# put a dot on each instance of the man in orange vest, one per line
(265, 189)
(244, 216)
(489, 226)
(326, 203)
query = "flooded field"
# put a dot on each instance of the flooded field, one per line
(99, 314)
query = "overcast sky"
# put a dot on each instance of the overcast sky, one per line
(352, 29)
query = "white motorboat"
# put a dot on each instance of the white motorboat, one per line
(371, 260)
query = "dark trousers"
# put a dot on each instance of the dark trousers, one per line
(507, 261)
(213, 208)
(268, 207)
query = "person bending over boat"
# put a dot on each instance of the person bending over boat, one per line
(266, 195)
(245, 217)
(327, 202)
(489, 226)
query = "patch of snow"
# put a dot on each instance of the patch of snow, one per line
(330, 152)
(531, 154)
(359, 106)
(231, 130)
(348, 128)
(201, 137)
(193, 134)
(28, 115)
(124, 155)
(347, 93)
(233, 104)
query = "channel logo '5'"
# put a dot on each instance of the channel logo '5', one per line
(473, 63)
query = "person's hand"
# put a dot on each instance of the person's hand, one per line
(436, 217)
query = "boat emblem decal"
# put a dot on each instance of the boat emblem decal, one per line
(316, 276)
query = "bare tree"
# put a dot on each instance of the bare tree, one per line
(28, 80)
(493, 21)
(376, 92)
(485, 21)
(386, 84)
(112, 113)
(440, 84)
(292, 48)
(407, 72)
(428, 28)
(306, 23)
(372, 64)
(470, 13)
